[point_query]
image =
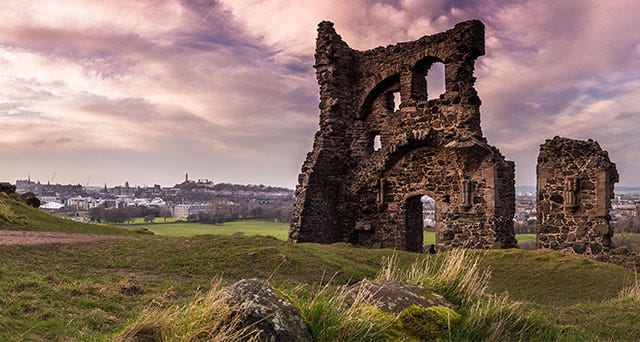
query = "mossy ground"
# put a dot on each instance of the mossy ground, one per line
(427, 324)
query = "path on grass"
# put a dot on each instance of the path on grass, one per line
(9, 237)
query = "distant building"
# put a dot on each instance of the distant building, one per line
(81, 203)
(186, 210)
(50, 199)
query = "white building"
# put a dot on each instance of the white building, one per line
(48, 199)
(186, 210)
(81, 203)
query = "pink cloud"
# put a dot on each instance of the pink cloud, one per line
(233, 80)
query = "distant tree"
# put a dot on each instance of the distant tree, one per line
(257, 212)
(97, 214)
(165, 213)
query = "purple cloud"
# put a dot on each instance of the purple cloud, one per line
(147, 90)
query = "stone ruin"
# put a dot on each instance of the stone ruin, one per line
(349, 191)
(575, 188)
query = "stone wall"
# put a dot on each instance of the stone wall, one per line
(350, 192)
(575, 188)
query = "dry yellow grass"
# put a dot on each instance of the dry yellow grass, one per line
(206, 318)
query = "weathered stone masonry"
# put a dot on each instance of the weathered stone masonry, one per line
(349, 192)
(575, 187)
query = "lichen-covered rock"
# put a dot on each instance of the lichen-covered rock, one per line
(394, 296)
(263, 308)
(427, 324)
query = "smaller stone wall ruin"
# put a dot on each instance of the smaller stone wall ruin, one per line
(575, 188)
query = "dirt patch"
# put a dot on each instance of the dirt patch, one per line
(8, 237)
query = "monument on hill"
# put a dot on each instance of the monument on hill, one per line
(353, 191)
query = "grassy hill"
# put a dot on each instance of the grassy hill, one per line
(91, 291)
(16, 215)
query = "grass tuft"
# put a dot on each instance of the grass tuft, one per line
(207, 317)
(631, 293)
(455, 274)
(331, 317)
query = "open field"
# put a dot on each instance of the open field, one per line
(140, 220)
(251, 228)
(247, 227)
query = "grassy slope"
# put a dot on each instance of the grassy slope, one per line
(552, 278)
(80, 291)
(89, 291)
(17, 216)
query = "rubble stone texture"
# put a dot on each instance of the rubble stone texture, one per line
(575, 188)
(351, 192)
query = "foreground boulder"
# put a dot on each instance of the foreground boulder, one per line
(422, 315)
(394, 296)
(263, 308)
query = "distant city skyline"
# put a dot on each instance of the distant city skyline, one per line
(146, 91)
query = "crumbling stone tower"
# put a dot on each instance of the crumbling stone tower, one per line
(350, 192)
(575, 188)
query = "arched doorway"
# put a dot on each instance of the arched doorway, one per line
(420, 221)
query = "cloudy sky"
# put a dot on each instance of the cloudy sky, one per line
(144, 91)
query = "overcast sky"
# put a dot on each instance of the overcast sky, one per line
(144, 91)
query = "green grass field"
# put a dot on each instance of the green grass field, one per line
(140, 220)
(91, 291)
(247, 227)
(251, 228)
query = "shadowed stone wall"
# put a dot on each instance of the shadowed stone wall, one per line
(575, 188)
(350, 192)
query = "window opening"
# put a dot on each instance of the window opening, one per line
(377, 144)
(435, 81)
(396, 101)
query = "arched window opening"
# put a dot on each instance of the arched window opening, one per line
(380, 96)
(396, 101)
(435, 81)
(377, 144)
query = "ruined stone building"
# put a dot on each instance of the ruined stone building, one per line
(352, 191)
(575, 188)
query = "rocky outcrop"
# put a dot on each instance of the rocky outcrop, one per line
(28, 198)
(7, 188)
(421, 315)
(394, 296)
(262, 307)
